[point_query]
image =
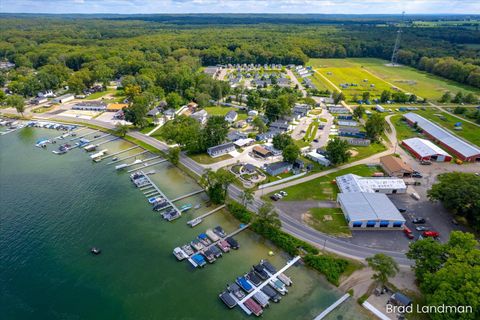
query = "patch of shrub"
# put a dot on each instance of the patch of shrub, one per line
(328, 265)
(239, 212)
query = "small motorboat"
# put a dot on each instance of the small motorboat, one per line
(95, 251)
(197, 206)
(114, 158)
(244, 284)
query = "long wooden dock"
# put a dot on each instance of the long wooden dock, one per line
(192, 222)
(140, 163)
(86, 134)
(248, 296)
(101, 137)
(146, 165)
(161, 193)
(188, 195)
(119, 152)
(332, 307)
(107, 141)
(126, 158)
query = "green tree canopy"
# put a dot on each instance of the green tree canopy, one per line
(337, 151)
(384, 267)
(375, 126)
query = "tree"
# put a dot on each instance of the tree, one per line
(412, 98)
(460, 193)
(366, 95)
(121, 129)
(338, 96)
(470, 98)
(254, 101)
(258, 124)
(375, 126)
(385, 96)
(290, 153)
(358, 112)
(267, 219)
(215, 131)
(247, 196)
(216, 184)
(279, 107)
(309, 101)
(185, 131)
(131, 91)
(203, 99)
(458, 97)
(281, 141)
(337, 151)
(174, 155)
(446, 97)
(384, 266)
(174, 100)
(17, 102)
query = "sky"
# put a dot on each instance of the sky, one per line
(243, 6)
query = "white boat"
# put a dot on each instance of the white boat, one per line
(97, 156)
(261, 298)
(179, 254)
(285, 279)
(212, 235)
(194, 222)
(90, 147)
(121, 166)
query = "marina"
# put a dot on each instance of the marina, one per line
(128, 157)
(194, 222)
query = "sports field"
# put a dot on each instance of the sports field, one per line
(410, 80)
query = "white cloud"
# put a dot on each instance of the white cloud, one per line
(242, 6)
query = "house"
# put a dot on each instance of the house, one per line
(90, 106)
(379, 108)
(236, 135)
(423, 149)
(301, 110)
(395, 167)
(211, 71)
(283, 82)
(358, 142)
(231, 116)
(350, 132)
(154, 112)
(277, 168)
(353, 183)
(192, 106)
(298, 164)
(347, 123)
(65, 98)
(221, 149)
(169, 114)
(250, 168)
(461, 149)
(340, 110)
(39, 100)
(252, 113)
(201, 116)
(262, 152)
(365, 210)
(266, 136)
(399, 299)
(244, 142)
(280, 125)
(319, 158)
(114, 107)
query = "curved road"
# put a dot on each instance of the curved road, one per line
(289, 224)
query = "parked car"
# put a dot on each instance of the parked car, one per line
(422, 228)
(417, 175)
(425, 162)
(283, 193)
(402, 209)
(278, 195)
(418, 220)
(432, 234)
(274, 197)
(315, 140)
(408, 233)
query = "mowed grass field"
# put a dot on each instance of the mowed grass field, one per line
(408, 79)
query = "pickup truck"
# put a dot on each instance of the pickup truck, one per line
(432, 234)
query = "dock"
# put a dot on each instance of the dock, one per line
(107, 141)
(101, 137)
(188, 195)
(122, 159)
(145, 165)
(119, 152)
(332, 307)
(86, 134)
(240, 303)
(194, 222)
(140, 163)
(157, 191)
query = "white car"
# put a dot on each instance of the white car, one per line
(283, 193)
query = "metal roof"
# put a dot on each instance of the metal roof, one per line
(457, 144)
(424, 147)
(352, 183)
(364, 206)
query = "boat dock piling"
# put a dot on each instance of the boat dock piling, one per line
(160, 193)
(107, 141)
(257, 289)
(119, 152)
(86, 134)
(192, 222)
(188, 195)
(332, 307)
(135, 155)
(148, 165)
(101, 137)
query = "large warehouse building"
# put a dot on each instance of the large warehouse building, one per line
(365, 210)
(425, 150)
(353, 183)
(461, 149)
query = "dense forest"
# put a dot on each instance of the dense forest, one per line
(166, 51)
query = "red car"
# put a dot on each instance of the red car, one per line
(432, 234)
(408, 233)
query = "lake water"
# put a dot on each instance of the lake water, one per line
(55, 208)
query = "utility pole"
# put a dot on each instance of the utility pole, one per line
(394, 59)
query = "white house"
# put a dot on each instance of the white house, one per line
(231, 116)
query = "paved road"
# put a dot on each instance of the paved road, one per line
(289, 224)
(296, 82)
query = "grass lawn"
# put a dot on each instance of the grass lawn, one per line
(204, 158)
(406, 78)
(404, 131)
(42, 109)
(365, 152)
(321, 84)
(100, 94)
(222, 111)
(329, 221)
(322, 188)
(469, 132)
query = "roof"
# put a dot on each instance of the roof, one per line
(394, 164)
(400, 297)
(369, 206)
(117, 106)
(243, 142)
(352, 183)
(462, 147)
(424, 147)
(278, 165)
(261, 150)
(220, 147)
(231, 114)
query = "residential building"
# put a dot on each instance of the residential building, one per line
(281, 126)
(379, 108)
(277, 168)
(365, 210)
(169, 114)
(252, 113)
(358, 142)
(231, 116)
(301, 110)
(221, 149)
(262, 152)
(201, 116)
(64, 98)
(153, 112)
(266, 135)
(461, 149)
(114, 107)
(350, 132)
(319, 158)
(347, 123)
(244, 142)
(395, 167)
(236, 135)
(399, 299)
(423, 149)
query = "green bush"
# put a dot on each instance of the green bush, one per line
(328, 265)
(240, 212)
(362, 299)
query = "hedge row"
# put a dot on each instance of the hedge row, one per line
(239, 212)
(331, 267)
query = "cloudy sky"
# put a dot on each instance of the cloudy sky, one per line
(241, 6)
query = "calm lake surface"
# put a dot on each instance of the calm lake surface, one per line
(55, 208)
